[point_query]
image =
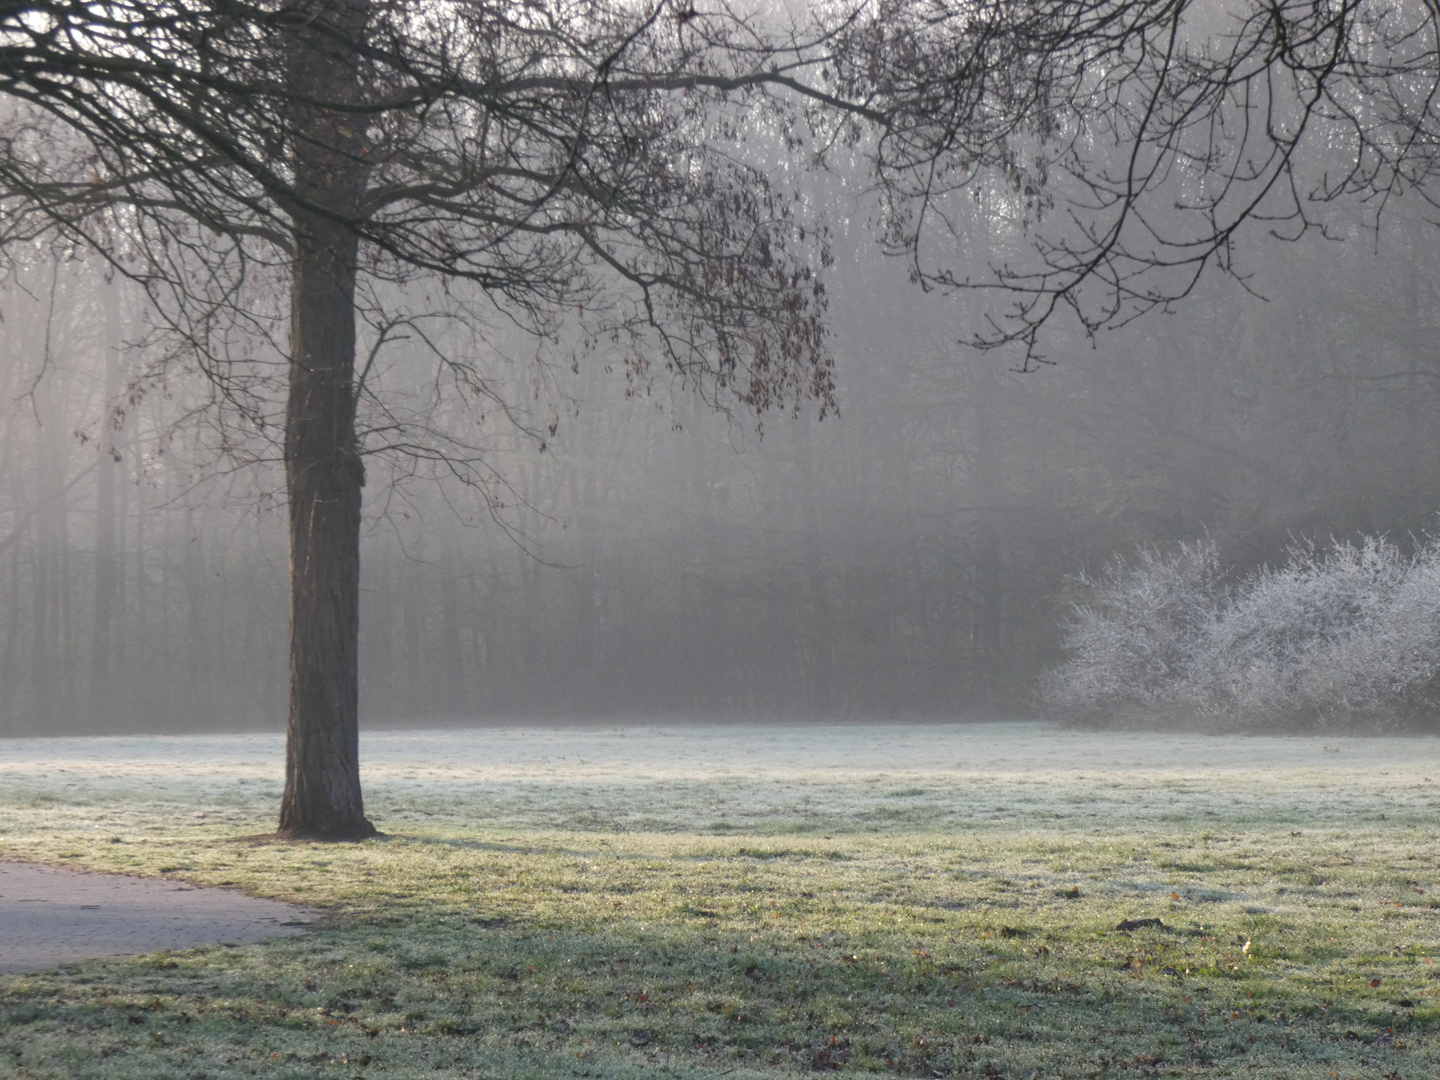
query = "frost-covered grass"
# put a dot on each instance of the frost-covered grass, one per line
(931, 900)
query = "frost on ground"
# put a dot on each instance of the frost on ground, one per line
(769, 779)
(761, 900)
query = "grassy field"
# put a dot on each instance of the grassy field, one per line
(747, 901)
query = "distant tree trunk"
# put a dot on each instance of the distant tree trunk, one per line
(821, 704)
(100, 707)
(323, 470)
(199, 674)
(453, 676)
(122, 683)
(987, 659)
(379, 614)
(9, 664)
(42, 584)
(65, 636)
(101, 704)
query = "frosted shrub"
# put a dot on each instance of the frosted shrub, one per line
(1134, 638)
(1339, 635)
(1305, 639)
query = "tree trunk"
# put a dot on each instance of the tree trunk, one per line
(821, 701)
(323, 470)
(323, 477)
(102, 706)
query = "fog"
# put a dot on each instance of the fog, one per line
(635, 553)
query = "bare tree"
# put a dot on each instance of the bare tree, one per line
(1140, 138)
(385, 163)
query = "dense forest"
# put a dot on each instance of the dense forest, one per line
(634, 553)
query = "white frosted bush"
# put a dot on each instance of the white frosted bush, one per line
(1133, 639)
(1345, 634)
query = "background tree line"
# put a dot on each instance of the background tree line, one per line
(908, 557)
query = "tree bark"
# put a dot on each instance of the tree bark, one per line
(323, 476)
(323, 470)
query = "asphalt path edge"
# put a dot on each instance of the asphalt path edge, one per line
(52, 916)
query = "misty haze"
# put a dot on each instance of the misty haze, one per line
(913, 556)
(604, 539)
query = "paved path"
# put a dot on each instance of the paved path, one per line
(50, 917)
